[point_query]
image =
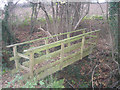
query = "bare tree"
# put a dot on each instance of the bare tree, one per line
(65, 16)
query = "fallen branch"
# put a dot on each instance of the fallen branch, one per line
(69, 83)
(47, 33)
(93, 75)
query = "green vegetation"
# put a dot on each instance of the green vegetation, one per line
(26, 21)
(94, 17)
(48, 82)
(42, 20)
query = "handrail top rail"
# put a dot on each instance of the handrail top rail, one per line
(34, 48)
(17, 44)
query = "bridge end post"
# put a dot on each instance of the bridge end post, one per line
(31, 65)
(62, 55)
(16, 57)
(82, 45)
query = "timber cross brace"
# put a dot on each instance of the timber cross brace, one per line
(72, 48)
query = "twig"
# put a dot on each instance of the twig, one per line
(114, 84)
(100, 6)
(81, 18)
(93, 75)
(47, 33)
(69, 83)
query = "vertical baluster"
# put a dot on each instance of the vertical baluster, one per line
(16, 57)
(46, 42)
(62, 54)
(31, 65)
(47, 50)
(82, 45)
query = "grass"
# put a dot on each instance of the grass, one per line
(94, 17)
(47, 82)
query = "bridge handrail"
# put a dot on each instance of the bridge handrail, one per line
(45, 46)
(27, 42)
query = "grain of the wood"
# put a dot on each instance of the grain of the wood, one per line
(56, 68)
(59, 61)
(26, 63)
(16, 57)
(55, 44)
(92, 36)
(59, 42)
(82, 45)
(64, 60)
(31, 64)
(56, 53)
(24, 68)
(62, 54)
(22, 55)
(68, 36)
(27, 42)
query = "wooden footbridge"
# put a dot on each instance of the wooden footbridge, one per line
(73, 47)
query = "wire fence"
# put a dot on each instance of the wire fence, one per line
(113, 21)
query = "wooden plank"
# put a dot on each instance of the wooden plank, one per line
(56, 68)
(12, 58)
(31, 65)
(94, 36)
(51, 45)
(56, 53)
(68, 36)
(56, 62)
(40, 48)
(26, 63)
(74, 59)
(46, 42)
(59, 61)
(23, 56)
(24, 68)
(16, 57)
(27, 42)
(62, 54)
(43, 58)
(82, 45)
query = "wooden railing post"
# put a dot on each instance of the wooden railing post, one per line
(46, 42)
(62, 54)
(82, 45)
(47, 50)
(31, 65)
(16, 57)
(68, 36)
